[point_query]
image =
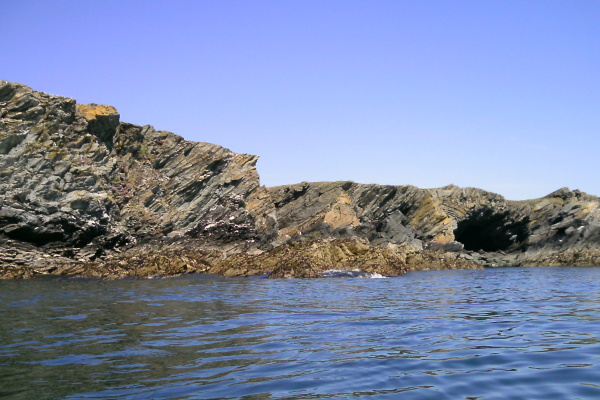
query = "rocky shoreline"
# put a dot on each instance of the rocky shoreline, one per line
(84, 194)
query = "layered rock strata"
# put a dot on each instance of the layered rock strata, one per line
(84, 194)
(482, 226)
(76, 184)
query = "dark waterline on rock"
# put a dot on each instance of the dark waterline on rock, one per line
(507, 333)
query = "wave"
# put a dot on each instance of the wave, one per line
(354, 273)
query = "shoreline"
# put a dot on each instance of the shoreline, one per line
(85, 194)
(306, 259)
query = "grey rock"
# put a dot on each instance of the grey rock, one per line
(77, 185)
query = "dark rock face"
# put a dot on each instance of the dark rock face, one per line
(488, 230)
(77, 183)
(82, 193)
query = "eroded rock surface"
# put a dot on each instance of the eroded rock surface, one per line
(311, 259)
(82, 193)
(77, 183)
(482, 226)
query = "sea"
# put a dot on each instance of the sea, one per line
(499, 333)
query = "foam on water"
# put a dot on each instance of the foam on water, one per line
(353, 273)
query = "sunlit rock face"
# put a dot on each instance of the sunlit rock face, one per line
(77, 183)
(450, 218)
(80, 187)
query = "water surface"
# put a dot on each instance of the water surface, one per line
(506, 333)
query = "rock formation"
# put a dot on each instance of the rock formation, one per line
(563, 227)
(84, 194)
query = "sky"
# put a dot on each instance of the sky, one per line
(500, 95)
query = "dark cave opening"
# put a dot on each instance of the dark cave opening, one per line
(489, 230)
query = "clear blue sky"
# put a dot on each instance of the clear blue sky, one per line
(501, 95)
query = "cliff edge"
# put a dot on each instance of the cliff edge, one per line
(84, 194)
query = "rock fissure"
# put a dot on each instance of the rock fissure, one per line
(82, 193)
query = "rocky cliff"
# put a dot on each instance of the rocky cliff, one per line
(82, 193)
(480, 225)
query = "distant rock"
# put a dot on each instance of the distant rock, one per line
(449, 219)
(84, 194)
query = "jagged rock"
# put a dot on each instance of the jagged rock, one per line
(310, 259)
(449, 218)
(150, 260)
(75, 181)
(80, 191)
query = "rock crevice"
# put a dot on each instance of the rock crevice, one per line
(82, 191)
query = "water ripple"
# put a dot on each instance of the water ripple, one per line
(494, 334)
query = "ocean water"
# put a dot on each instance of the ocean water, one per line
(505, 333)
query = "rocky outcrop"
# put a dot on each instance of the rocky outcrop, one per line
(82, 193)
(313, 258)
(483, 226)
(77, 183)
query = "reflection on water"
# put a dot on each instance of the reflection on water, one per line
(496, 334)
